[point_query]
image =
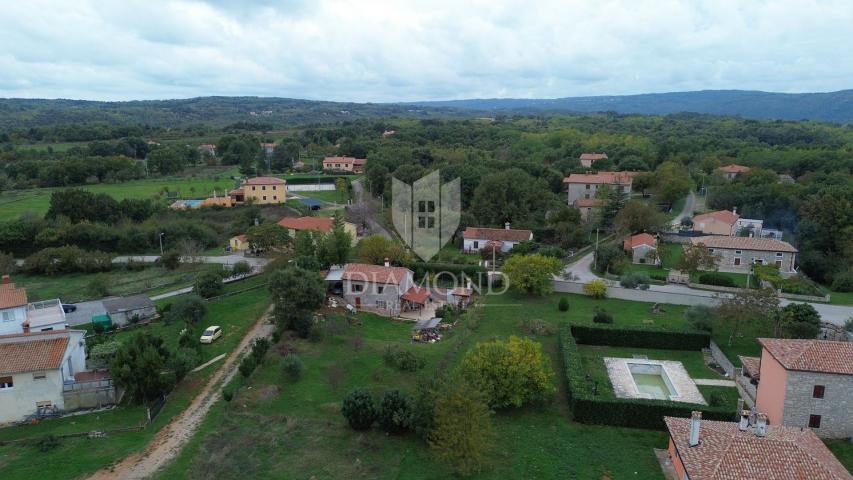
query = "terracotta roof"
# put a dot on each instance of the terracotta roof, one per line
(344, 160)
(462, 292)
(734, 168)
(725, 216)
(10, 295)
(320, 224)
(359, 161)
(587, 202)
(823, 356)
(265, 145)
(744, 243)
(37, 334)
(32, 355)
(236, 191)
(593, 156)
(207, 145)
(611, 178)
(751, 366)
(639, 239)
(496, 234)
(264, 181)
(242, 237)
(375, 273)
(726, 453)
(417, 295)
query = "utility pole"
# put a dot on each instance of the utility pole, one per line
(596, 249)
(161, 243)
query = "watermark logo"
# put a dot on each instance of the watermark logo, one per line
(426, 214)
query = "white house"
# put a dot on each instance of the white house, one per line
(19, 316)
(586, 185)
(475, 239)
(35, 369)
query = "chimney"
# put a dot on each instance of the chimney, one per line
(734, 210)
(695, 422)
(387, 262)
(744, 421)
(506, 225)
(25, 327)
(7, 279)
(761, 425)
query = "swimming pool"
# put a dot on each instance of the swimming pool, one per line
(652, 380)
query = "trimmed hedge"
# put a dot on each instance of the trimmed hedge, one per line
(641, 337)
(713, 278)
(634, 413)
(475, 272)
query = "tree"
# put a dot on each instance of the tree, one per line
(797, 320)
(596, 289)
(568, 227)
(268, 236)
(296, 293)
(241, 268)
(359, 410)
(375, 249)
(532, 274)
(171, 259)
(138, 367)
(209, 284)
(637, 216)
(672, 181)
(462, 432)
(304, 244)
(510, 374)
(610, 258)
(757, 305)
(187, 308)
(341, 187)
(285, 155)
(334, 247)
(697, 257)
(614, 200)
(166, 160)
(512, 195)
(394, 414)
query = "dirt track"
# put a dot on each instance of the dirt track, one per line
(168, 442)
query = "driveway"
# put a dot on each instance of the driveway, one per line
(687, 211)
(365, 203)
(84, 312)
(581, 270)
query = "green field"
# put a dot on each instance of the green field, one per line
(79, 456)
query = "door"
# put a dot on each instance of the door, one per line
(737, 260)
(779, 264)
(357, 302)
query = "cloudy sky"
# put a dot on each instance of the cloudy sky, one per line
(400, 50)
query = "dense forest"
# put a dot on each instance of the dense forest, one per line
(511, 169)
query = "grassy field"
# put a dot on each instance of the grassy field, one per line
(277, 429)
(75, 457)
(75, 287)
(843, 450)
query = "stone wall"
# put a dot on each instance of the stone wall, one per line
(835, 408)
(722, 360)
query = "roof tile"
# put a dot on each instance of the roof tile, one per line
(496, 234)
(744, 243)
(32, 355)
(823, 356)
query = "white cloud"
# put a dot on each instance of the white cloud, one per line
(389, 51)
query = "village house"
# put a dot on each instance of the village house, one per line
(383, 289)
(260, 190)
(208, 149)
(239, 243)
(267, 148)
(17, 315)
(748, 450)
(344, 164)
(503, 239)
(738, 254)
(805, 383)
(642, 247)
(725, 222)
(321, 225)
(132, 309)
(731, 171)
(587, 159)
(586, 207)
(586, 185)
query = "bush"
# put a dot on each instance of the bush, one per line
(359, 410)
(209, 284)
(843, 281)
(700, 317)
(71, 259)
(316, 333)
(402, 359)
(47, 443)
(798, 285)
(99, 286)
(227, 394)
(187, 308)
(718, 279)
(260, 346)
(634, 280)
(563, 305)
(641, 337)
(292, 367)
(596, 289)
(248, 365)
(601, 316)
(241, 268)
(171, 259)
(536, 326)
(395, 412)
(475, 272)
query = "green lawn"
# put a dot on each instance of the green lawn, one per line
(841, 298)
(843, 450)
(277, 429)
(76, 457)
(328, 196)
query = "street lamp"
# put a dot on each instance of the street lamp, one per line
(161, 243)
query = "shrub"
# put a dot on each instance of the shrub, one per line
(798, 285)
(241, 268)
(292, 367)
(402, 359)
(715, 278)
(171, 259)
(634, 280)
(563, 305)
(260, 346)
(227, 394)
(596, 289)
(316, 333)
(843, 281)
(700, 317)
(601, 316)
(187, 308)
(47, 443)
(209, 284)
(394, 414)
(359, 410)
(99, 286)
(641, 337)
(536, 326)
(248, 365)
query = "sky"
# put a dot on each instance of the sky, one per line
(369, 51)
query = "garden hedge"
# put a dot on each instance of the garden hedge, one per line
(475, 272)
(641, 337)
(635, 413)
(718, 279)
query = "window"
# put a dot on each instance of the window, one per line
(814, 421)
(738, 252)
(253, 188)
(356, 287)
(711, 250)
(380, 289)
(422, 221)
(586, 195)
(44, 404)
(818, 391)
(381, 304)
(265, 197)
(737, 260)
(778, 254)
(8, 317)
(430, 222)
(274, 197)
(264, 187)
(476, 244)
(587, 186)
(39, 375)
(5, 382)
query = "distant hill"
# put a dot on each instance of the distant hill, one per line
(829, 107)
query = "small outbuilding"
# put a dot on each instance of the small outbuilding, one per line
(124, 310)
(641, 248)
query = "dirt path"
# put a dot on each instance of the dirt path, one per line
(168, 442)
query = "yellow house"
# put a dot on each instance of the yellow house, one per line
(321, 225)
(239, 243)
(261, 191)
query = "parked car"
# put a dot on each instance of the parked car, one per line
(69, 307)
(210, 334)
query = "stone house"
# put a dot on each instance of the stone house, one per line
(587, 207)
(731, 171)
(475, 239)
(807, 383)
(640, 247)
(747, 450)
(344, 164)
(720, 222)
(738, 254)
(379, 288)
(587, 159)
(124, 310)
(586, 185)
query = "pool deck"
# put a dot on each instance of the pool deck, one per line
(624, 386)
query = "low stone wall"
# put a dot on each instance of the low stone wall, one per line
(803, 298)
(722, 360)
(714, 288)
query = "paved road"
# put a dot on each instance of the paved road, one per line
(687, 211)
(581, 270)
(364, 201)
